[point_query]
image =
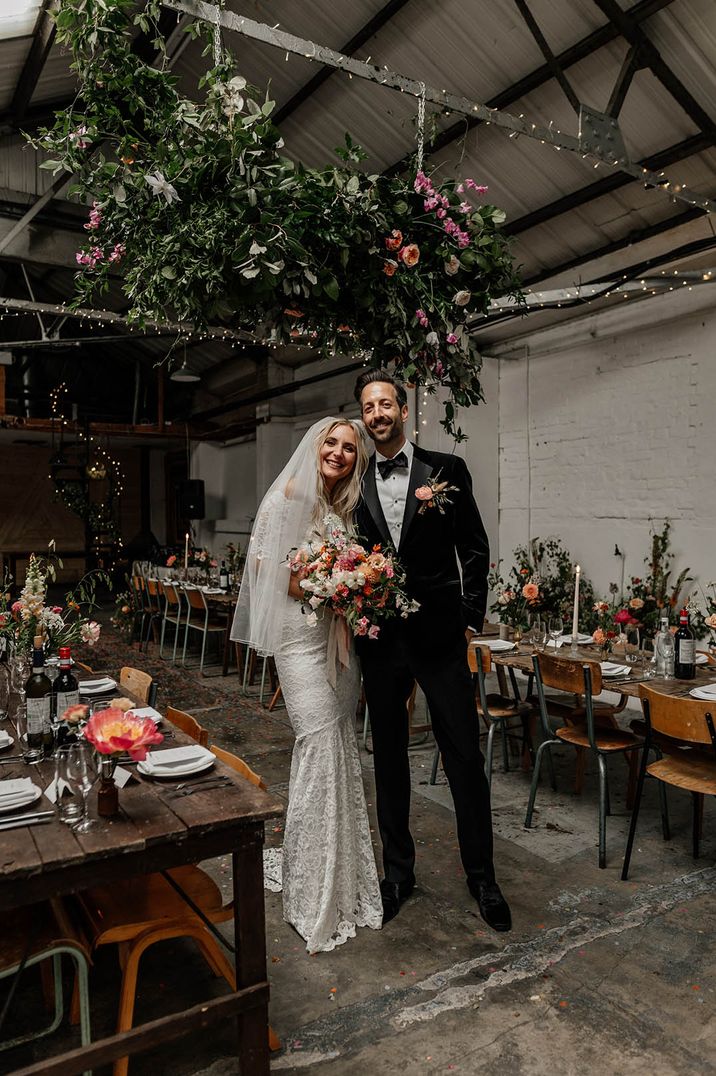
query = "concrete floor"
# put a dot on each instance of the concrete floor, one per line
(597, 976)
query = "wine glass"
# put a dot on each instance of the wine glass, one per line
(67, 789)
(556, 627)
(82, 770)
(632, 645)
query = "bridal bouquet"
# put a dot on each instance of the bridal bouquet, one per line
(343, 577)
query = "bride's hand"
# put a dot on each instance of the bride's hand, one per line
(294, 588)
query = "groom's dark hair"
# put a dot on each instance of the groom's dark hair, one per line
(369, 377)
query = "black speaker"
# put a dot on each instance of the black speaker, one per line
(190, 499)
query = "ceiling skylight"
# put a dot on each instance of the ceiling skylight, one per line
(18, 17)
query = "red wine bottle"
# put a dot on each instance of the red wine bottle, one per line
(38, 697)
(65, 689)
(684, 649)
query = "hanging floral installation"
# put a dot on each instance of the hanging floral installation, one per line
(209, 221)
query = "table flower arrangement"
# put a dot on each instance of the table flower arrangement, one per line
(116, 732)
(655, 595)
(362, 587)
(551, 565)
(517, 598)
(59, 625)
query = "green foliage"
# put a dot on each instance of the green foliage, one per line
(654, 596)
(553, 568)
(211, 222)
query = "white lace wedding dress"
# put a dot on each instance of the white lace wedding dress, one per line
(330, 881)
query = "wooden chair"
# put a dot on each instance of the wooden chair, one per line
(686, 750)
(38, 933)
(140, 911)
(199, 618)
(498, 711)
(588, 729)
(172, 615)
(137, 683)
(187, 724)
(85, 668)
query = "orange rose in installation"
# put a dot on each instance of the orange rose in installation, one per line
(395, 240)
(530, 591)
(389, 267)
(410, 255)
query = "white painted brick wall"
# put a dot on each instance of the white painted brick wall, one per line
(598, 437)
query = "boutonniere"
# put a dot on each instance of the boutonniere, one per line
(434, 494)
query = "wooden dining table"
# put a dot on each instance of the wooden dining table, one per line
(521, 659)
(154, 831)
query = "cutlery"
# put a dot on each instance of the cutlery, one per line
(32, 817)
(198, 788)
(10, 759)
(200, 781)
(24, 822)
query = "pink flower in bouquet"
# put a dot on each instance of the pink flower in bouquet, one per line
(373, 632)
(113, 732)
(530, 591)
(622, 617)
(213, 564)
(478, 188)
(451, 338)
(599, 637)
(374, 565)
(171, 560)
(362, 626)
(4, 618)
(410, 255)
(74, 715)
(452, 265)
(79, 137)
(424, 493)
(601, 607)
(394, 240)
(710, 621)
(636, 603)
(90, 632)
(16, 607)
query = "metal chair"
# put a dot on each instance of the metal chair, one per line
(586, 729)
(172, 615)
(141, 612)
(682, 733)
(42, 932)
(155, 612)
(199, 618)
(497, 712)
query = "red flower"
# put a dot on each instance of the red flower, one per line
(622, 617)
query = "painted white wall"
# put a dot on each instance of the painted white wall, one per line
(607, 423)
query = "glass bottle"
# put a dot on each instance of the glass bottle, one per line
(664, 651)
(684, 649)
(38, 706)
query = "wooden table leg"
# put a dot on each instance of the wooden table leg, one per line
(250, 942)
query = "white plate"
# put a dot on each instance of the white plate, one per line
(496, 644)
(170, 772)
(97, 687)
(5, 743)
(705, 696)
(702, 659)
(16, 803)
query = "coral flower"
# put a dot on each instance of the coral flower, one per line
(73, 715)
(599, 637)
(395, 240)
(410, 255)
(112, 731)
(530, 591)
(389, 267)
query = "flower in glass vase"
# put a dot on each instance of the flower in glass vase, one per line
(517, 599)
(114, 732)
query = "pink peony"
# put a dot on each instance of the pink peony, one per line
(622, 617)
(113, 732)
(424, 493)
(373, 632)
(599, 637)
(410, 254)
(451, 338)
(90, 632)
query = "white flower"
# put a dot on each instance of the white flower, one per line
(462, 298)
(432, 339)
(233, 100)
(452, 265)
(314, 602)
(311, 619)
(160, 185)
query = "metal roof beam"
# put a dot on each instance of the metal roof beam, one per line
(678, 152)
(365, 33)
(588, 45)
(651, 55)
(43, 37)
(552, 61)
(632, 63)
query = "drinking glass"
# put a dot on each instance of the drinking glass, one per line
(632, 645)
(70, 802)
(82, 767)
(556, 627)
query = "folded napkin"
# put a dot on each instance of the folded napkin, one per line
(148, 711)
(496, 644)
(582, 638)
(556, 643)
(610, 668)
(177, 757)
(5, 737)
(104, 683)
(15, 786)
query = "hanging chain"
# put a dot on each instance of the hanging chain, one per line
(217, 33)
(420, 133)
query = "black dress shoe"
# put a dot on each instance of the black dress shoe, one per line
(393, 895)
(494, 909)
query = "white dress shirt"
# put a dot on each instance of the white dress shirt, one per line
(393, 492)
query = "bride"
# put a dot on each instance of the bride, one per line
(330, 882)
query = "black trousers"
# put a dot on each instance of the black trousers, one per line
(436, 658)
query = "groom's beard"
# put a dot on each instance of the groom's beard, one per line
(385, 431)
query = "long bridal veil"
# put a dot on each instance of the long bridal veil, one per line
(281, 525)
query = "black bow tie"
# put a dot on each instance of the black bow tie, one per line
(387, 466)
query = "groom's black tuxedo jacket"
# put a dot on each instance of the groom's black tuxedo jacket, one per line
(432, 542)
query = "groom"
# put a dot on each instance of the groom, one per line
(431, 529)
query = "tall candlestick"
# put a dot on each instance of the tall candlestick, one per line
(575, 614)
(186, 551)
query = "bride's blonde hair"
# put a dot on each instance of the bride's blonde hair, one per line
(346, 492)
